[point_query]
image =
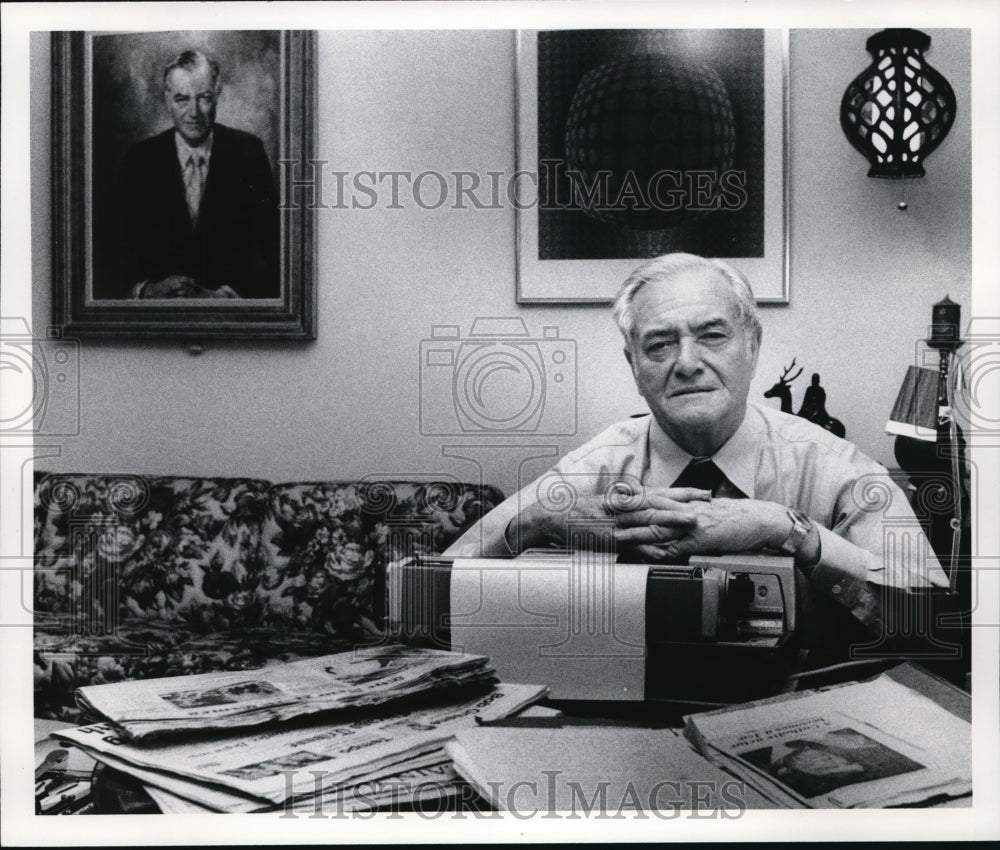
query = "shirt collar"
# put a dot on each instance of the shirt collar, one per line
(737, 458)
(184, 150)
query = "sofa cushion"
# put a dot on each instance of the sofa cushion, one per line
(328, 543)
(156, 576)
(165, 548)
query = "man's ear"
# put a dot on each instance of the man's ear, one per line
(755, 348)
(628, 356)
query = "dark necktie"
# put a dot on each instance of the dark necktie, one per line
(702, 474)
(194, 184)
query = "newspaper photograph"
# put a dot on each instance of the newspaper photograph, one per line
(816, 764)
(834, 748)
(755, 780)
(214, 701)
(275, 764)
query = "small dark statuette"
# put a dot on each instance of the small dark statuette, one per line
(814, 408)
(813, 404)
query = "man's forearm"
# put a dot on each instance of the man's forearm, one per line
(811, 551)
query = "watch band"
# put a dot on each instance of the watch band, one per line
(801, 526)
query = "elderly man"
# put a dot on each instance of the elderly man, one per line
(199, 211)
(709, 473)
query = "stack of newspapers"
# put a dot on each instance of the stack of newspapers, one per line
(877, 743)
(353, 731)
(874, 744)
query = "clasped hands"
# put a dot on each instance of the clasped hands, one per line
(660, 524)
(182, 286)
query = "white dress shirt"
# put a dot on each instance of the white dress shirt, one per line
(869, 535)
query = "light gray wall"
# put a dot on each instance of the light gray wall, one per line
(863, 277)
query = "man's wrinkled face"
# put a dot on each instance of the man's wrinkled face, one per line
(191, 96)
(692, 358)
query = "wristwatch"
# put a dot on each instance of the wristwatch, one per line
(801, 526)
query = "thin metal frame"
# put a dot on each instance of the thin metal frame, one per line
(615, 270)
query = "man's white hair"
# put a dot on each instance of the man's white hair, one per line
(673, 265)
(191, 59)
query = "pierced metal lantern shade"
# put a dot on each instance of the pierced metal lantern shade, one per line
(899, 109)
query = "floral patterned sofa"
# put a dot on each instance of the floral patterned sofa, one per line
(139, 576)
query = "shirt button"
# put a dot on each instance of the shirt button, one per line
(835, 588)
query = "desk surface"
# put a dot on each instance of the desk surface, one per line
(115, 792)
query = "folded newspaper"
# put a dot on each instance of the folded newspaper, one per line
(604, 768)
(864, 745)
(217, 701)
(258, 769)
(437, 780)
(417, 781)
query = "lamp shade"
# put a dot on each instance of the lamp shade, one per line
(915, 413)
(899, 109)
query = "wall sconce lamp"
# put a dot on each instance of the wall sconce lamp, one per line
(899, 109)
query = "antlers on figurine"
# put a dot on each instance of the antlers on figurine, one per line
(783, 389)
(813, 402)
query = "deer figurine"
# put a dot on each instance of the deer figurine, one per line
(783, 389)
(813, 404)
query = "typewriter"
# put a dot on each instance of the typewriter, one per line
(716, 631)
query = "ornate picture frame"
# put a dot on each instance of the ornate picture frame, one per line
(109, 108)
(595, 102)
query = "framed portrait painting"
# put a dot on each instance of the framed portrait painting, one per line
(647, 142)
(171, 154)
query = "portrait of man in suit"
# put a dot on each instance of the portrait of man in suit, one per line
(198, 209)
